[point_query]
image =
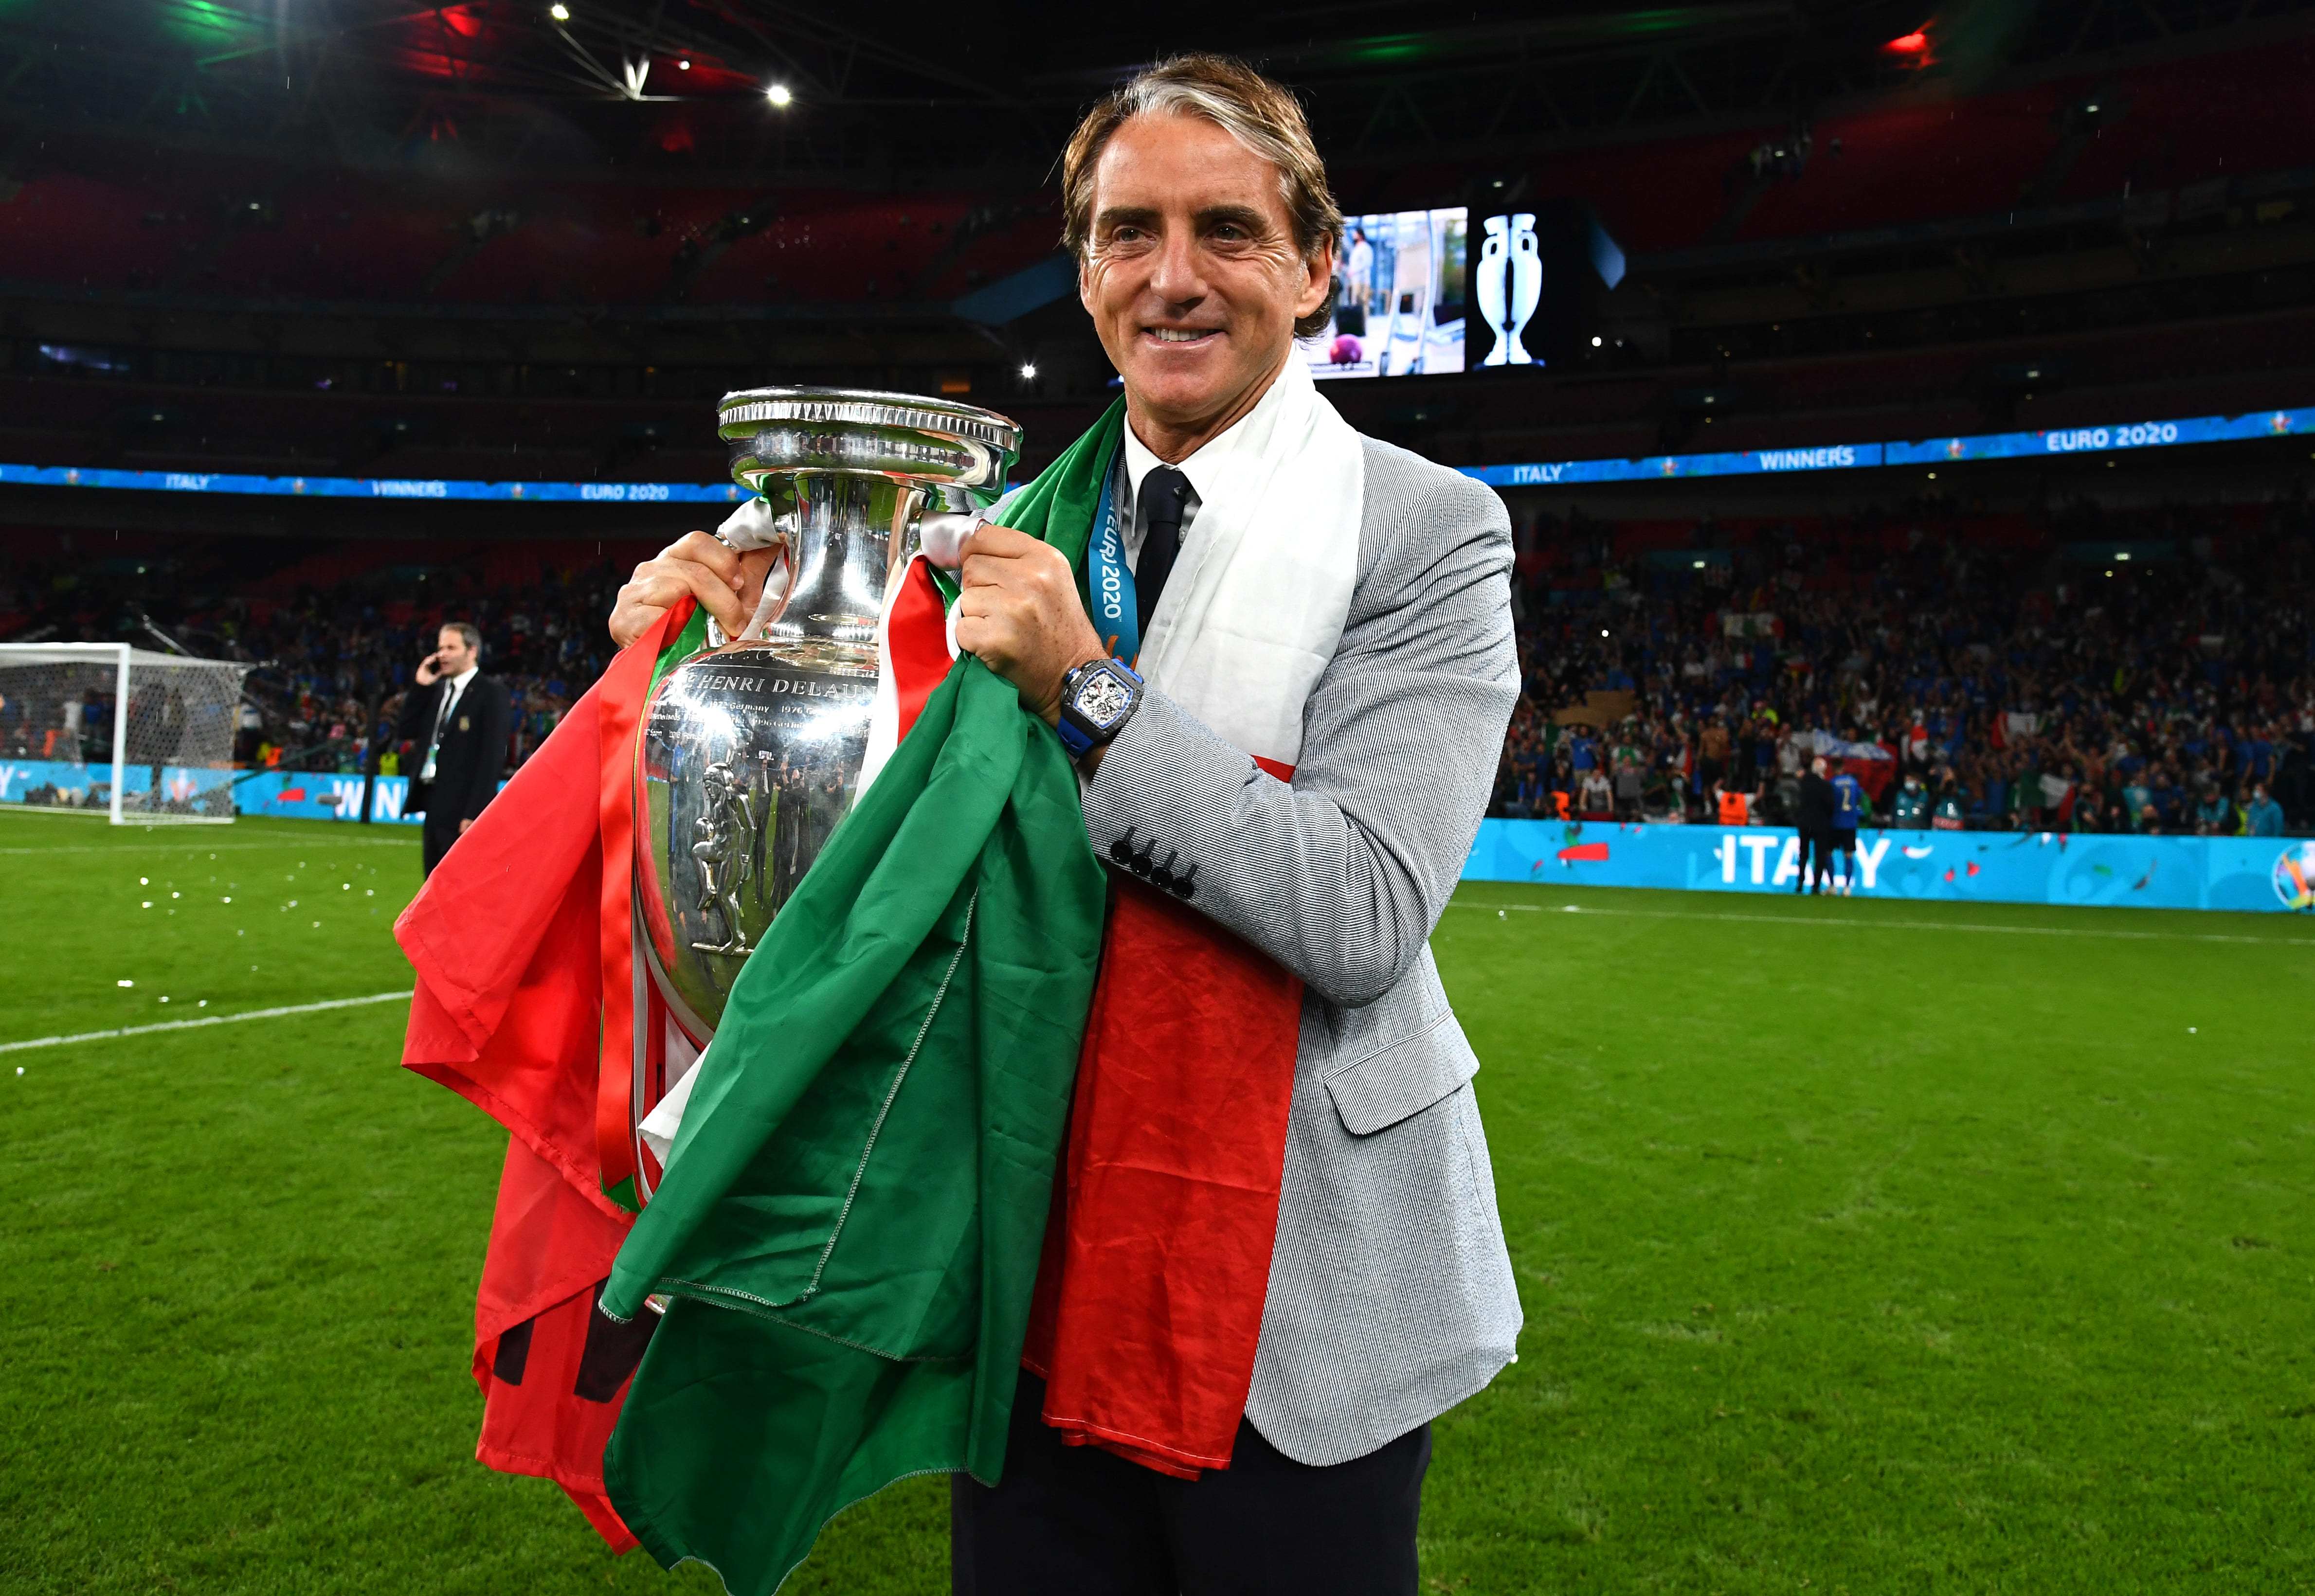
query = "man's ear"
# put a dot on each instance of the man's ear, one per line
(1317, 278)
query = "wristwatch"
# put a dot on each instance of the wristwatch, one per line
(1097, 698)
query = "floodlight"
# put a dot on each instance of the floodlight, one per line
(778, 95)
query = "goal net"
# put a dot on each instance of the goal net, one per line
(102, 728)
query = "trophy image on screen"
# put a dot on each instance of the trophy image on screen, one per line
(751, 749)
(1509, 284)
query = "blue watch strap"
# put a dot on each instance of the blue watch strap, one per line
(1073, 737)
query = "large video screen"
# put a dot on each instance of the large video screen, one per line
(1398, 297)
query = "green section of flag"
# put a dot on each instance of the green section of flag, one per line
(852, 1213)
(687, 642)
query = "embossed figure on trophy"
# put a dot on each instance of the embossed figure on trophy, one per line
(724, 850)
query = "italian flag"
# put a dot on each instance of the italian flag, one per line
(858, 1233)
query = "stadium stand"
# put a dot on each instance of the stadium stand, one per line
(1942, 257)
(102, 216)
(2079, 671)
(335, 633)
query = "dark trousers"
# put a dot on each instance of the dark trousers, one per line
(1070, 1520)
(440, 832)
(1817, 845)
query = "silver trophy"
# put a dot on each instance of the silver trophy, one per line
(750, 750)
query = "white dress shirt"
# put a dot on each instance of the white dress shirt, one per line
(450, 699)
(1203, 468)
(457, 690)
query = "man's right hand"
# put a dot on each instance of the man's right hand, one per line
(727, 584)
(429, 670)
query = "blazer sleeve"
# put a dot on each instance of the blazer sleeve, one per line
(1341, 875)
(492, 725)
(417, 717)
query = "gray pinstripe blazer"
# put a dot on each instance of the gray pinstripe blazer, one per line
(1391, 1297)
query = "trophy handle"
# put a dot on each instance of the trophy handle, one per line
(750, 527)
(779, 583)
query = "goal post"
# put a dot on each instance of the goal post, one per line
(105, 727)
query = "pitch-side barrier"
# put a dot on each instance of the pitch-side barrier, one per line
(2274, 874)
(43, 783)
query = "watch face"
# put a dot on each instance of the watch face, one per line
(1100, 699)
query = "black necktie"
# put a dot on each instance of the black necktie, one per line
(1162, 494)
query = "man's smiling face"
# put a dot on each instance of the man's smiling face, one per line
(1193, 276)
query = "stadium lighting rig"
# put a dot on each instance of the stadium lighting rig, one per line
(561, 13)
(778, 95)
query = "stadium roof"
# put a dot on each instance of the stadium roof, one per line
(913, 88)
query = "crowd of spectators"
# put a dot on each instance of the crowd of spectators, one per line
(2076, 670)
(332, 664)
(336, 665)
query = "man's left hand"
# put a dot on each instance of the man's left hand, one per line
(1020, 612)
(462, 826)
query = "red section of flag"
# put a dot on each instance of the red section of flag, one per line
(534, 1421)
(917, 634)
(522, 1008)
(1157, 1263)
(1585, 853)
(1874, 776)
(623, 689)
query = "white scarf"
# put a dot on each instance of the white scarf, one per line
(1259, 592)
(1256, 604)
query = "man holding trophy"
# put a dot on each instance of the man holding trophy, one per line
(1276, 659)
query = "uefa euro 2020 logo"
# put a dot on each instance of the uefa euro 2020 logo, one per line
(2295, 876)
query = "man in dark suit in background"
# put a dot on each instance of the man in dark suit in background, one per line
(1818, 802)
(457, 723)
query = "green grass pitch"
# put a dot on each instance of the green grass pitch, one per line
(1864, 1246)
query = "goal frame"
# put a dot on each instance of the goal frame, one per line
(122, 656)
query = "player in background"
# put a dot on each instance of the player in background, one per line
(1849, 806)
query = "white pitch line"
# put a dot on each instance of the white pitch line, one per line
(214, 847)
(1757, 919)
(254, 1014)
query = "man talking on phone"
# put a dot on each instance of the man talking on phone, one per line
(456, 721)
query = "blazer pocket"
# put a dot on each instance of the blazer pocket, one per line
(1404, 1078)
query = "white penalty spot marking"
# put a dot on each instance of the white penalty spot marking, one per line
(254, 1014)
